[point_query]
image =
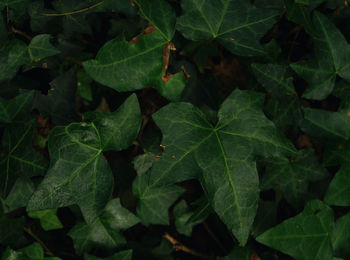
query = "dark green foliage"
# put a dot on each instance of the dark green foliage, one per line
(167, 129)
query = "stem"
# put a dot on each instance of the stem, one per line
(180, 247)
(16, 31)
(78, 11)
(47, 250)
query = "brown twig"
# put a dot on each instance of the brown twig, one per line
(213, 236)
(47, 250)
(181, 247)
(16, 31)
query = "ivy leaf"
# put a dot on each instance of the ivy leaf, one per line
(20, 193)
(18, 157)
(160, 14)
(105, 231)
(76, 159)
(120, 128)
(183, 215)
(236, 24)
(10, 254)
(292, 176)
(295, 235)
(326, 125)
(154, 203)
(48, 218)
(18, 109)
(285, 105)
(40, 47)
(125, 67)
(60, 99)
(338, 192)
(332, 58)
(123, 255)
(340, 236)
(19, 54)
(229, 177)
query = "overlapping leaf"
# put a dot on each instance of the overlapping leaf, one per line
(18, 157)
(305, 236)
(126, 66)
(293, 175)
(19, 53)
(236, 24)
(79, 174)
(104, 231)
(332, 58)
(338, 192)
(284, 106)
(225, 153)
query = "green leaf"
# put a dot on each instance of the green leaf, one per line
(292, 176)
(18, 157)
(48, 218)
(326, 125)
(17, 56)
(34, 251)
(105, 231)
(332, 58)
(40, 47)
(341, 236)
(18, 109)
(76, 159)
(229, 177)
(154, 202)
(305, 236)
(60, 99)
(20, 193)
(236, 24)
(123, 255)
(338, 193)
(284, 107)
(124, 66)
(10, 254)
(183, 215)
(160, 14)
(120, 128)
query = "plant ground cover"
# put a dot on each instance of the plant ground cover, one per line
(168, 129)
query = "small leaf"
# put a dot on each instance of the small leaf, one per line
(48, 218)
(40, 47)
(305, 236)
(105, 231)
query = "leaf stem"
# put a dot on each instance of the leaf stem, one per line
(36, 238)
(181, 247)
(78, 11)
